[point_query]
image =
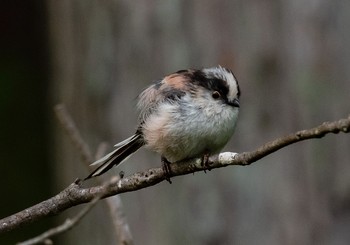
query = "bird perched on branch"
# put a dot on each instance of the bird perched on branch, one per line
(189, 113)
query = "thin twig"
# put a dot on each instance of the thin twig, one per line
(76, 194)
(114, 204)
(69, 126)
(70, 223)
(120, 224)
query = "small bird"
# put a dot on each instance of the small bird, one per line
(188, 114)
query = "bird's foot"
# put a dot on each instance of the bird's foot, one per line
(205, 162)
(166, 169)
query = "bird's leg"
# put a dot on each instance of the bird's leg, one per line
(205, 161)
(166, 169)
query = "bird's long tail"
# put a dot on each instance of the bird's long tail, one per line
(123, 151)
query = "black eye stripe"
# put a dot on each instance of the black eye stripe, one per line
(219, 85)
(211, 83)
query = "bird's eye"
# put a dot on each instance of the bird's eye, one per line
(216, 95)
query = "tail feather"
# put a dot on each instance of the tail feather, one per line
(124, 150)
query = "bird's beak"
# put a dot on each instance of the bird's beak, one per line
(234, 103)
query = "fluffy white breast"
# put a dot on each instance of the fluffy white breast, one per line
(189, 129)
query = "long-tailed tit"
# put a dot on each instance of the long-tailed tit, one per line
(190, 113)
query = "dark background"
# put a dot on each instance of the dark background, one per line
(291, 59)
(24, 130)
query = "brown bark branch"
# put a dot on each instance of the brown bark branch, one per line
(76, 193)
(71, 222)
